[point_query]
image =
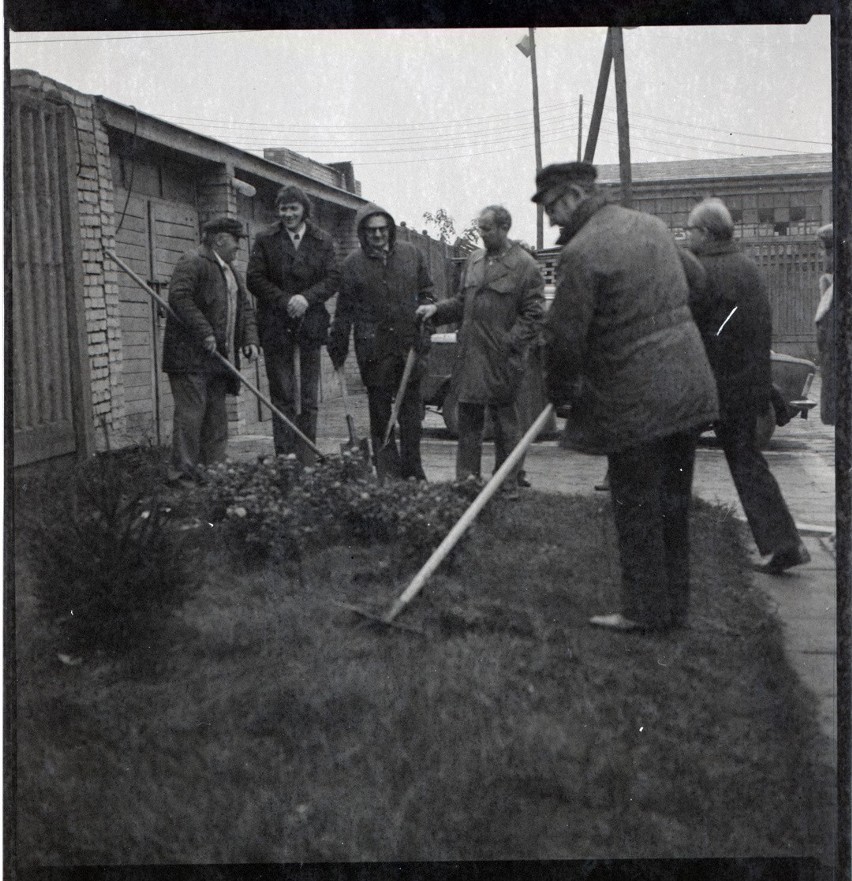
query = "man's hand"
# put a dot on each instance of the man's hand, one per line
(424, 313)
(297, 306)
(209, 343)
(250, 352)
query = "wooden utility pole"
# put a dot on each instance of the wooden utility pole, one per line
(580, 132)
(621, 117)
(600, 97)
(539, 224)
(613, 53)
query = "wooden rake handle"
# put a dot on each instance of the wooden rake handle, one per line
(222, 360)
(468, 517)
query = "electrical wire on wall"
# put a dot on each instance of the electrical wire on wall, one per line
(132, 169)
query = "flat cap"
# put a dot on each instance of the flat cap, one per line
(223, 224)
(826, 235)
(562, 173)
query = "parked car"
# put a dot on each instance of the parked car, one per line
(791, 381)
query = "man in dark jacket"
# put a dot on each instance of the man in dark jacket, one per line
(212, 313)
(732, 312)
(623, 351)
(293, 271)
(382, 285)
(500, 305)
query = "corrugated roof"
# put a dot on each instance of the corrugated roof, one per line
(704, 169)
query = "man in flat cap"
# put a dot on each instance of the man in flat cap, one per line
(292, 271)
(624, 355)
(212, 313)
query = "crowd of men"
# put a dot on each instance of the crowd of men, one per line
(646, 344)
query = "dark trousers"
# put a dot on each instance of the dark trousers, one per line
(200, 422)
(506, 436)
(404, 461)
(766, 511)
(651, 492)
(280, 370)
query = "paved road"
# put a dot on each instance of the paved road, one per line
(801, 456)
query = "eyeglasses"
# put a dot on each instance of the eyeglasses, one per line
(376, 229)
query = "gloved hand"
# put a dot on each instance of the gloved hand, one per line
(209, 343)
(250, 352)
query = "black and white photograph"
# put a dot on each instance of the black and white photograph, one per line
(423, 450)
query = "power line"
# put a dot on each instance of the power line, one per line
(743, 134)
(399, 127)
(105, 39)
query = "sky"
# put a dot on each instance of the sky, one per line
(444, 118)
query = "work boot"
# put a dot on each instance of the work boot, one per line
(781, 561)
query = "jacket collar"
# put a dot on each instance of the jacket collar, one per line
(508, 258)
(581, 216)
(711, 247)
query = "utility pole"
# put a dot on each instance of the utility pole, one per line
(621, 118)
(580, 132)
(527, 47)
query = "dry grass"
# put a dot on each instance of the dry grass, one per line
(270, 725)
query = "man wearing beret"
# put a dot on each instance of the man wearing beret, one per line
(292, 271)
(212, 313)
(625, 357)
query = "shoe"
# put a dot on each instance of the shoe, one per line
(616, 621)
(181, 481)
(781, 561)
(523, 482)
(510, 494)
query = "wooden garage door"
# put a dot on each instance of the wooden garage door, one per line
(153, 235)
(52, 403)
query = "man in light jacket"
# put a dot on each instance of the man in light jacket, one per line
(500, 305)
(212, 313)
(623, 352)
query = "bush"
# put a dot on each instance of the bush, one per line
(276, 507)
(108, 563)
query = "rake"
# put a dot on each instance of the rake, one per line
(453, 536)
(222, 360)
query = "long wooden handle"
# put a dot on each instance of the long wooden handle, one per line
(297, 378)
(222, 360)
(469, 516)
(397, 401)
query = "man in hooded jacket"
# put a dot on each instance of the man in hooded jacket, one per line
(382, 284)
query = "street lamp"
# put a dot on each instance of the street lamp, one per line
(527, 47)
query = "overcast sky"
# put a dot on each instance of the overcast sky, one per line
(443, 118)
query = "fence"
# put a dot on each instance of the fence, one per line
(791, 266)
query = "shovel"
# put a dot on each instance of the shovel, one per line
(364, 447)
(403, 385)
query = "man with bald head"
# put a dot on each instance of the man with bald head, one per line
(500, 306)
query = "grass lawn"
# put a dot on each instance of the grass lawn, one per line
(268, 724)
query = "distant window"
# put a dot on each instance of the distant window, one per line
(797, 213)
(765, 215)
(780, 229)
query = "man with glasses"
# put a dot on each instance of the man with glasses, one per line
(500, 305)
(382, 284)
(292, 271)
(623, 353)
(211, 312)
